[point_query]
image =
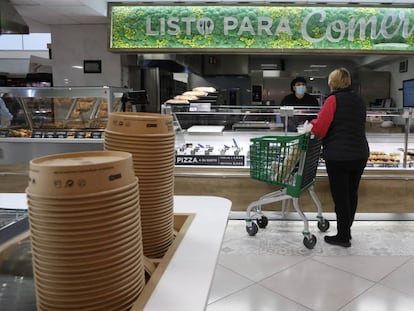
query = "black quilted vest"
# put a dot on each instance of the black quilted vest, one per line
(346, 138)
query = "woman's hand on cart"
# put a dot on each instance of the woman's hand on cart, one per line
(307, 127)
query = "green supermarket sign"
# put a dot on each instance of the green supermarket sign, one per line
(259, 28)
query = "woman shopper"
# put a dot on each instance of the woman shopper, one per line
(341, 125)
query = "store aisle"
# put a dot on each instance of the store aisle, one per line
(275, 271)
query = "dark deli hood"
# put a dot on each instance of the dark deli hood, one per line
(213, 64)
(10, 20)
(207, 65)
(167, 65)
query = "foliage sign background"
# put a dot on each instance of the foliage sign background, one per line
(221, 28)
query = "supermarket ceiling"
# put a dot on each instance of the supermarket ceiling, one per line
(39, 14)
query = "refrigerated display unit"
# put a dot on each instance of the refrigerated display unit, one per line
(55, 120)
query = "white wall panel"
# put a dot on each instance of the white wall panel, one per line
(71, 45)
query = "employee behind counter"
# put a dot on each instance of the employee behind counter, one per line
(299, 98)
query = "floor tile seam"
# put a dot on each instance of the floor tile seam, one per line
(396, 289)
(264, 287)
(273, 274)
(282, 295)
(357, 296)
(379, 282)
(234, 271)
(342, 270)
(284, 269)
(398, 267)
(233, 293)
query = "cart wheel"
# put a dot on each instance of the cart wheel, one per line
(262, 222)
(252, 230)
(310, 242)
(323, 224)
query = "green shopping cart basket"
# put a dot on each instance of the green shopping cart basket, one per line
(275, 159)
(289, 161)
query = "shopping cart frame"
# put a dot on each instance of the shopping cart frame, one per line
(289, 161)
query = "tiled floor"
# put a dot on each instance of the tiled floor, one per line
(275, 271)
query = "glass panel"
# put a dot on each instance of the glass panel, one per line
(13, 117)
(57, 112)
(40, 110)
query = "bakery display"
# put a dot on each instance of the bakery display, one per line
(197, 94)
(206, 89)
(20, 133)
(58, 114)
(186, 97)
(380, 157)
(174, 101)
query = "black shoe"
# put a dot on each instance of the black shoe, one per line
(335, 241)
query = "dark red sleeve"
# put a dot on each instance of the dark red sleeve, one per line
(325, 117)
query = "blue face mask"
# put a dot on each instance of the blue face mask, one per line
(300, 90)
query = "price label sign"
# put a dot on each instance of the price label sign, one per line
(50, 134)
(211, 160)
(61, 134)
(4, 134)
(80, 134)
(96, 135)
(37, 134)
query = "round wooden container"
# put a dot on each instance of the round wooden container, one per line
(139, 123)
(80, 173)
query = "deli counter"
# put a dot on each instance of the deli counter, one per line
(56, 120)
(212, 155)
(212, 146)
(225, 130)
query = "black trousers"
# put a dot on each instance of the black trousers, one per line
(344, 178)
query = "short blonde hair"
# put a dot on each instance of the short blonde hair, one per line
(339, 79)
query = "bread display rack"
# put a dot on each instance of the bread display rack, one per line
(49, 120)
(37, 109)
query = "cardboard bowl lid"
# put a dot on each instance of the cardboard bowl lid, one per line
(80, 173)
(139, 123)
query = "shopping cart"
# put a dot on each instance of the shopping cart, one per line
(289, 161)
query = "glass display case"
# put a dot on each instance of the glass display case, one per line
(241, 118)
(58, 111)
(221, 134)
(215, 160)
(207, 134)
(54, 120)
(238, 118)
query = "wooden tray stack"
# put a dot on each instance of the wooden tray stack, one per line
(150, 138)
(85, 227)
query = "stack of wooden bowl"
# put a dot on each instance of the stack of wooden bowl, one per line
(150, 138)
(85, 227)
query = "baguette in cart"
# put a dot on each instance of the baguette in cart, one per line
(289, 161)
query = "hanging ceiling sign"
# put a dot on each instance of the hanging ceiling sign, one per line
(259, 28)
